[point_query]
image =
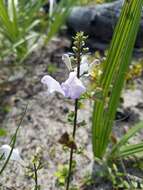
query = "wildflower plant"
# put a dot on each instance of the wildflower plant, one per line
(112, 75)
(72, 88)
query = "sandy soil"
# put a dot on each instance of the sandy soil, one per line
(46, 120)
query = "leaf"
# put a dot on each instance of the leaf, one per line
(116, 148)
(58, 17)
(129, 150)
(3, 132)
(67, 141)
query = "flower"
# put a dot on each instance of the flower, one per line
(84, 66)
(5, 150)
(86, 69)
(71, 88)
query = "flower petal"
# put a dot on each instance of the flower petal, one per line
(84, 66)
(5, 149)
(73, 87)
(67, 61)
(52, 84)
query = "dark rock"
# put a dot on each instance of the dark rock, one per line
(99, 22)
(46, 6)
(126, 115)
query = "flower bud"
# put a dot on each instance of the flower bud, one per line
(67, 61)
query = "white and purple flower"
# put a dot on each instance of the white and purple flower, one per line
(71, 88)
(84, 66)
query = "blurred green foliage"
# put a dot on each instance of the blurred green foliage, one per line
(24, 25)
(2, 132)
(62, 173)
(88, 2)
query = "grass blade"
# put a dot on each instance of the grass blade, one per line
(129, 150)
(125, 138)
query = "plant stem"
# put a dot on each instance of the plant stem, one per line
(126, 173)
(71, 151)
(35, 177)
(75, 119)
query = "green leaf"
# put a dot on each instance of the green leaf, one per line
(3, 132)
(129, 150)
(58, 17)
(20, 19)
(116, 148)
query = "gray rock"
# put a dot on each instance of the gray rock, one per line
(99, 22)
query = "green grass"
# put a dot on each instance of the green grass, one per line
(22, 26)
